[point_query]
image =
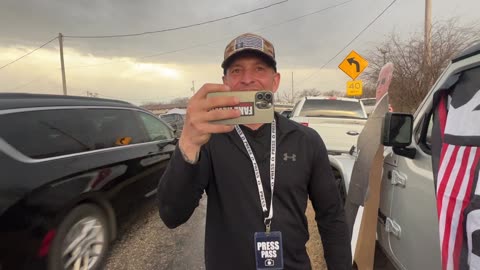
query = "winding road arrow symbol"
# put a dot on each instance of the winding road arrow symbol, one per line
(352, 61)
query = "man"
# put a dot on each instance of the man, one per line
(214, 158)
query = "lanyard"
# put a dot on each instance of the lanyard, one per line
(273, 150)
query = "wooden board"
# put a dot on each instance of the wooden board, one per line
(365, 247)
(364, 188)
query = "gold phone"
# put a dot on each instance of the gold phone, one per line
(255, 107)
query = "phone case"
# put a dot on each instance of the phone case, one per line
(255, 106)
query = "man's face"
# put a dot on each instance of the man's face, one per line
(251, 73)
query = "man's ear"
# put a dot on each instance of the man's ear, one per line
(276, 82)
(223, 79)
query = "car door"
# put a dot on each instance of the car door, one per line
(162, 137)
(409, 226)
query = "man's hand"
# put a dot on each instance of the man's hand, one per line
(197, 128)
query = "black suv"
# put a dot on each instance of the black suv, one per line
(69, 167)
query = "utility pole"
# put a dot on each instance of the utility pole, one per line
(64, 81)
(384, 52)
(293, 97)
(428, 33)
(193, 88)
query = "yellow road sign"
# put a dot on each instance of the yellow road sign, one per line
(353, 65)
(354, 88)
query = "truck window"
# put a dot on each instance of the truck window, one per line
(332, 108)
(423, 135)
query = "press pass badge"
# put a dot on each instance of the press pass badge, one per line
(269, 250)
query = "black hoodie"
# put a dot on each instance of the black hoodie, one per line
(225, 172)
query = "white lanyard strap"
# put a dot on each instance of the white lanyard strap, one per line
(273, 150)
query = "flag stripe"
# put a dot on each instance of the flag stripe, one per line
(446, 153)
(442, 183)
(444, 173)
(445, 219)
(442, 114)
(455, 202)
(474, 157)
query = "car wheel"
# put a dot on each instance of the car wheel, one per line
(81, 241)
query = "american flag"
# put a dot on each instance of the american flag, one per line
(249, 42)
(458, 194)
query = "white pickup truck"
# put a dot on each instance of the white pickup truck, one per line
(339, 121)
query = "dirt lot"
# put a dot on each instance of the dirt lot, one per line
(145, 243)
(314, 245)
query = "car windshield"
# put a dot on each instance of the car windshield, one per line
(169, 118)
(332, 108)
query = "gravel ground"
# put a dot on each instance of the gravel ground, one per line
(145, 243)
(148, 244)
(315, 250)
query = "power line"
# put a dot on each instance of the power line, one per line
(182, 27)
(349, 43)
(305, 15)
(27, 54)
(152, 55)
(221, 39)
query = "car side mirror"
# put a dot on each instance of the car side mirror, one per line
(397, 132)
(177, 133)
(397, 129)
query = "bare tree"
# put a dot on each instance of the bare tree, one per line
(368, 91)
(286, 96)
(334, 93)
(176, 102)
(181, 101)
(309, 93)
(412, 77)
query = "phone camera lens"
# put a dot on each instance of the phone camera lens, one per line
(268, 96)
(260, 96)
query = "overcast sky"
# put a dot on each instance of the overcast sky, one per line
(161, 66)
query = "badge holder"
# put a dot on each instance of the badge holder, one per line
(268, 249)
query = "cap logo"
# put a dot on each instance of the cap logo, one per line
(249, 42)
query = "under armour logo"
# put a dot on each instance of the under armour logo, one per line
(287, 157)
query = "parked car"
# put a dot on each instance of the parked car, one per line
(287, 113)
(368, 104)
(339, 121)
(408, 229)
(175, 120)
(69, 168)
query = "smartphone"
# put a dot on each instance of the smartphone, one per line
(255, 107)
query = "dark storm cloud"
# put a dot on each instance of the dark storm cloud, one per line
(306, 42)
